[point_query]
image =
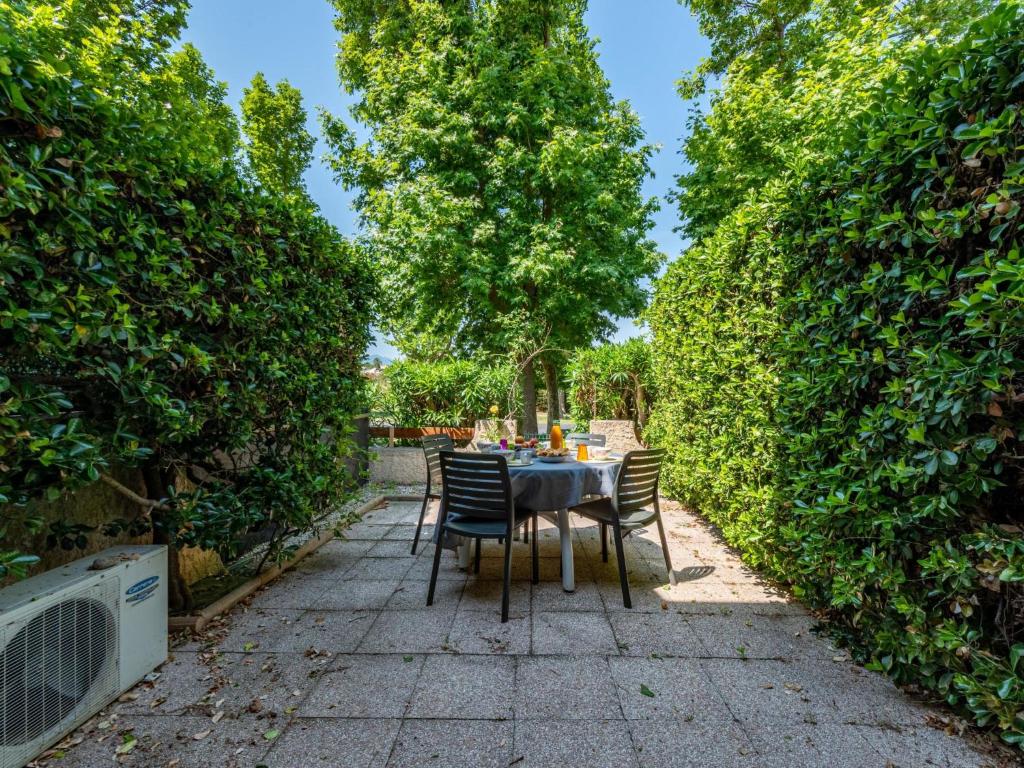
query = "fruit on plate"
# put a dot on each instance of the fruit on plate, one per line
(520, 440)
(545, 453)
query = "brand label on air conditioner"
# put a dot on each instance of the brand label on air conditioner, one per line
(141, 590)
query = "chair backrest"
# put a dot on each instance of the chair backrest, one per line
(536, 436)
(586, 438)
(637, 484)
(432, 446)
(476, 485)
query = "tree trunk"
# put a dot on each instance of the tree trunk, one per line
(179, 596)
(641, 404)
(554, 401)
(529, 398)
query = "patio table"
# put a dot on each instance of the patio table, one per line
(552, 488)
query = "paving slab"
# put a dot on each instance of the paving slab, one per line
(161, 740)
(561, 743)
(815, 745)
(328, 743)
(355, 595)
(365, 686)
(341, 662)
(703, 743)
(659, 634)
(667, 689)
(565, 688)
(421, 631)
(453, 744)
(481, 632)
(465, 687)
(571, 632)
(759, 691)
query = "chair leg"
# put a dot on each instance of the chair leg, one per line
(419, 525)
(508, 579)
(433, 571)
(476, 559)
(620, 555)
(664, 550)
(604, 542)
(534, 553)
(526, 534)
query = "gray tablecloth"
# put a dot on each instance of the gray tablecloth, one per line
(549, 487)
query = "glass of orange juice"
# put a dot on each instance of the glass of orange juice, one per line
(581, 452)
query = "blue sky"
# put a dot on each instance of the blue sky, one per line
(645, 45)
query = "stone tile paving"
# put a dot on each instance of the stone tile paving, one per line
(340, 663)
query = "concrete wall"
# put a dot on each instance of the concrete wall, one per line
(621, 434)
(96, 505)
(399, 465)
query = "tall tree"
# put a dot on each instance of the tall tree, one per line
(279, 146)
(501, 183)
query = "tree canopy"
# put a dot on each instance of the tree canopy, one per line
(279, 147)
(500, 183)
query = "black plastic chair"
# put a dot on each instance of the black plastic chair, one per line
(633, 505)
(586, 438)
(476, 503)
(432, 446)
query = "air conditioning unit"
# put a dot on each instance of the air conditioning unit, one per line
(73, 639)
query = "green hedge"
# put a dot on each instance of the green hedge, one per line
(610, 381)
(161, 313)
(844, 378)
(444, 394)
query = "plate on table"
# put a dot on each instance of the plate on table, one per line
(552, 459)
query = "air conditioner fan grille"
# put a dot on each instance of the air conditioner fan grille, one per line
(55, 667)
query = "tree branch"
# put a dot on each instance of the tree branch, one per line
(142, 501)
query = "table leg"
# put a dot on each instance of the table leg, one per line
(465, 548)
(565, 535)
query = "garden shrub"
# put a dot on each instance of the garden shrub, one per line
(444, 394)
(860, 382)
(715, 320)
(157, 311)
(611, 381)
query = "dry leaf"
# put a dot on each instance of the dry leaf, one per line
(202, 734)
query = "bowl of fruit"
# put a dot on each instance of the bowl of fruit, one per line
(553, 455)
(526, 447)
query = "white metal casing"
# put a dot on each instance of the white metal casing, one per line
(118, 615)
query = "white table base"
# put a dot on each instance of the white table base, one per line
(559, 518)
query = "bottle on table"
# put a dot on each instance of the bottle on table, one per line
(557, 442)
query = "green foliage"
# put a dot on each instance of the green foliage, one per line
(156, 311)
(841, 363)
(903, 413)
(774, 122)
(444, 394)
(611, 381)
(715, 324)
(279, 146)
(500, 184)
(204, 123)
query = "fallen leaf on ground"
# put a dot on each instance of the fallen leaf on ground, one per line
(128, 742)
